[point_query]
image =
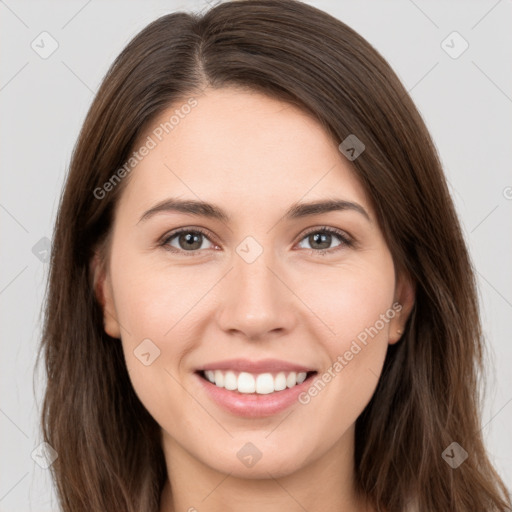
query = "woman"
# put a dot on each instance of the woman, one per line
(203, 352)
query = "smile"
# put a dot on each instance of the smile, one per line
(261, 384)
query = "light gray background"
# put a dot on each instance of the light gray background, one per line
(466, 103)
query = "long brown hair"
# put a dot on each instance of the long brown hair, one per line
(109, 452)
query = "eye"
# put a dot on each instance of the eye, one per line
(191, 241)
(320, 240)
(187, 240)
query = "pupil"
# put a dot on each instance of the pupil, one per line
(325, 236)
(190, 239)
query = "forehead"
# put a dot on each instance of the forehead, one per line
(244, 147)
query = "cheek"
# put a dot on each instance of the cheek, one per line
(155, 342)
(152, 298)
(351, 298)
(355, 302)
(147, 308)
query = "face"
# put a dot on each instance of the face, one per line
(305, 292)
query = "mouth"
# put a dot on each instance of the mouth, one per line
(247, 383)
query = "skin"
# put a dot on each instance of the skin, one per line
(253, 156)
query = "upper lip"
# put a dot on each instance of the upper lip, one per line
(262, 366)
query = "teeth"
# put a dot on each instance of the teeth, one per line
(246, 383)
(291, 380)
(230, 381)
(219, 377)
(301, 377)
(280, 382)
(262, 384)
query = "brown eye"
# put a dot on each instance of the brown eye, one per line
(320, 240)
(185, 240)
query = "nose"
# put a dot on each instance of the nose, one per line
(256, 302)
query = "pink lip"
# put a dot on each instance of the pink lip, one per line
(263, 366)
(252, 405)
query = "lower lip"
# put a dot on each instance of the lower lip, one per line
(252, 405)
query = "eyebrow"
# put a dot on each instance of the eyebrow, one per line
(296, 211)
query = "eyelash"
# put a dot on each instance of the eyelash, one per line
(344, 239)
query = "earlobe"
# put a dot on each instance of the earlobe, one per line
(405, 294)
(104, 294)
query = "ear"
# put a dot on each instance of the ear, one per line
(405, 293)
(103, 291)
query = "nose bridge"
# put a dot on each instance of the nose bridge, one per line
(255, 301)
(254, 279)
